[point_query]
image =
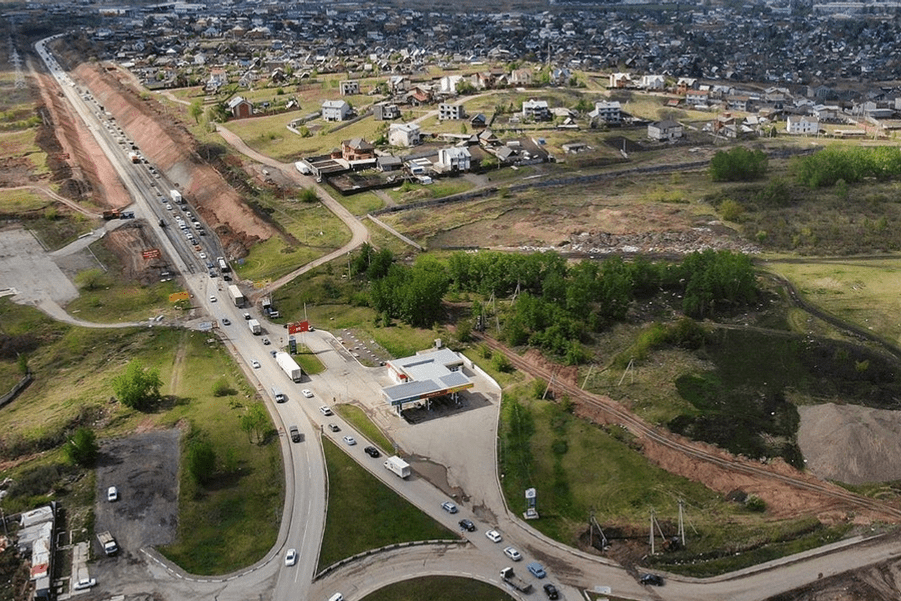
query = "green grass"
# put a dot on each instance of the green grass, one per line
(356, 417)
(222, 528)
(20, 201)
(57, 229)
(438, 588)
(360, 204)
(364, 514)
(308, 361)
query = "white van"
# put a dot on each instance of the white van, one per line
(336, 597)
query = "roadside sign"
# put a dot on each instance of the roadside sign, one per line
(179, 296)
(151, 253)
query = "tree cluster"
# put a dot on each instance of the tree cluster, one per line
(832, 165)
(412, 294)
(138, 387)
(738, 165)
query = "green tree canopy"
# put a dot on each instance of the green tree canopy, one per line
(81, 448)
(738, 164)
(201, 460)
(137, 387)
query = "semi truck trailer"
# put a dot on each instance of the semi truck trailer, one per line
(289, 366)
(236, 295)
(254, 326)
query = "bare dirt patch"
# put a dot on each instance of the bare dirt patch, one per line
(850, 443)
(129, 243)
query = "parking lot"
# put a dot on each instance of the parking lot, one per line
(144, 467)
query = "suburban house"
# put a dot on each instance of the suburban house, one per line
(335, 110)
(685, 84)
(404, 134)
(455, 158)
(620, 80)
(398, 84)
(240, 107)
(697, 98)
(665, 131)
(350, 87)
(608, 111)
(536, 109)
(389, 163)
(520, 77)
(451, 112)
(652, 82)
(385, 112)
(738, 103)
(218, 78)
(479, 120)
(802, 125)
(448, 84)
(357, 149)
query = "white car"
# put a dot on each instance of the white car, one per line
(306, 393)
(84, 584)
(202, 255)
(326, 411)
(512, 554)
(212, 299)
(291, 557)
(255, 364)
(449, 507)
(494, 536)
(350, 440)
(112, 494)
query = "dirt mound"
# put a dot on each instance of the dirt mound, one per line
(129, 243)
(172, 149)
(850, 443)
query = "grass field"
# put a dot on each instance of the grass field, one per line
(358, 522)
(308, 361)
(546, 447)
(360, 204)
(864, 291)
(356, 417)
(438, 588)
(20, 201)
(223, 527)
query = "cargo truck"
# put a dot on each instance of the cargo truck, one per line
(236, 295)
(223, 265)
(176, 197)
(134, 157)
(254, 326)
(108, 543)
(515, 581)
(398, 466)
(289, 366)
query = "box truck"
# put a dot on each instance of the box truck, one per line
(289, 366)
(254, 326)
(223, 265)
(176, 196)
(398, 466)
(236, 295)
(515, 581)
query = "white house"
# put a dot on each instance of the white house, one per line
(651, 82)
(620, 80)
(802, 125)
(448, 83)
(536, 109)
(404, 134)
(664, 131)
(609, 111)
(455, 158)
(335, 110)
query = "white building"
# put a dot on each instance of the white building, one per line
(607, 111)
(451, 112)
(335, 110)
(455, 158)
(448, 83)
(664, 131)
(651, 82)
(404, 134)
(536, 109)
(802, 125)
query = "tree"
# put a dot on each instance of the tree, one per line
(196, 110)
(82, 447)
(255, 422)
(738, 164)
(137, 387)
(201, 460)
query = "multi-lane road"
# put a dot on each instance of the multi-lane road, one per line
(462, 445)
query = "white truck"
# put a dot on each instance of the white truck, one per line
(254, 326)
(134, 157)
(289, 366)
(108, 543)
(515, 581)
(176, 196)
(236, 295)
(223, 264)
(398, 466)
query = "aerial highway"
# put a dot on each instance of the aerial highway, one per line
(464, 444)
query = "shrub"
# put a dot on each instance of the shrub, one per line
(730, 210)
(221, 387)
(82, 447)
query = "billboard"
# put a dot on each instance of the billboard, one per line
(178, 296)
(151, 253)
(298, 326)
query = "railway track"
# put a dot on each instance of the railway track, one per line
(638, 427)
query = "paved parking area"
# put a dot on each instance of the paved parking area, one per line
(26, 267)
(144, 467)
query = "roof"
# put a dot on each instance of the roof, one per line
(334, 104)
